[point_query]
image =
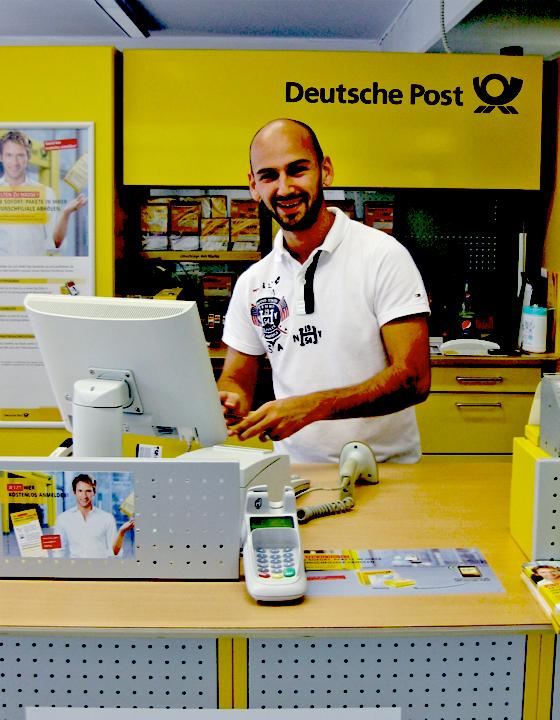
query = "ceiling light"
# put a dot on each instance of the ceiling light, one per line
(121, 12)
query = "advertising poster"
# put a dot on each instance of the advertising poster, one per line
(75, 514)
(46, 246)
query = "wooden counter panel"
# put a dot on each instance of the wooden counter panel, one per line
(485, 379)
(472, 422)
(414, 506)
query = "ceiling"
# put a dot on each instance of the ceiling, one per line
(471, 26)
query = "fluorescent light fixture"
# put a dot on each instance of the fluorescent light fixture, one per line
(122, 15)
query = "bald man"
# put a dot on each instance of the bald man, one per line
(340, 310)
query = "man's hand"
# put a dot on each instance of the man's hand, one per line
(278, 419)
(126, 527)
(231, 405)
(73, 205)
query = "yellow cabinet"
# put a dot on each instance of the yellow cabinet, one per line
(476, 409)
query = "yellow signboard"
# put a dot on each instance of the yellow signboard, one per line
(386, 120)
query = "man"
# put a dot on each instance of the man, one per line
(48, 232)
(85, 530)
(339, 308)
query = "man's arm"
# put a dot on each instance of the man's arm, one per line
(61, 228)
(237, 384)
(404, 382)
(119, 539)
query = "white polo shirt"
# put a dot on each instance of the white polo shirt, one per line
(323, 331)
(29, 239)
(86, 538)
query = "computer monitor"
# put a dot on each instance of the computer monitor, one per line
(126, 364)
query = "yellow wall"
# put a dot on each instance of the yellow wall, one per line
(71, 84)
(66, 84)
(189, 116)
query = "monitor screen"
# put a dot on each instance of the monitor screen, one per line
(155, 347)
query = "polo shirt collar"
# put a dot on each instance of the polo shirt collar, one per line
(330, 243)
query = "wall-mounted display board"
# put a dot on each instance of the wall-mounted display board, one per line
(66, 108)
(387, 120)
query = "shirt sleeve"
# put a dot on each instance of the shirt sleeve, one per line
(239, 331)
(399, 289)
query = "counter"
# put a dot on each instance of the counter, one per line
(460, 656)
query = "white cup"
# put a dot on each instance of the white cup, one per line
(533, 329)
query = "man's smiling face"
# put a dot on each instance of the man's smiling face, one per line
(286, 175)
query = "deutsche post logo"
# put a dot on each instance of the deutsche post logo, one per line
(509, 91)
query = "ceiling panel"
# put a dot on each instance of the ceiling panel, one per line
(473, 26)
(62, 18)
(365, 19)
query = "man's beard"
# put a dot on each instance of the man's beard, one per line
(308, 219)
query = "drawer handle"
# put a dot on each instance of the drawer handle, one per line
(464, 380)
(478, 405)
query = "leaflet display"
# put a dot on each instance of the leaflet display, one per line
(120, 518)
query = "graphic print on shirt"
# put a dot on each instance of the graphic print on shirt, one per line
(307, 335)
(269, 313)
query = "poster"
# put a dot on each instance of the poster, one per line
(71, 514)
(46, 246)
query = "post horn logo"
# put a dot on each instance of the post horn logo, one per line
(510, 90)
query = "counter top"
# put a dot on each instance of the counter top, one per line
(548, 360)
(431, 504)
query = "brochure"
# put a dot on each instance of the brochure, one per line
(410, 571)
(542, 577)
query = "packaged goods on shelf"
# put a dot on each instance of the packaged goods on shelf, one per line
(245, 234)
(214, 234)
(211, 206)
(185, 218)
(153, 218)
(154, 242)
(184, 242)
(379, 216)
(347, 206)
(218, 206)
(244, 208)
(217, 285)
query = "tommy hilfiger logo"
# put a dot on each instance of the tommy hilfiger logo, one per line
(510, 89)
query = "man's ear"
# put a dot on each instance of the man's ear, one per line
(253, 187)
(327, 171)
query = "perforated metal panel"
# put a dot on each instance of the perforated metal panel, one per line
(435, 678)
(54, 671)
(546, 517)
(187, 521)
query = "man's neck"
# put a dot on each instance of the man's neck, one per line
(301, 243)
(14, 181)
(85, 511)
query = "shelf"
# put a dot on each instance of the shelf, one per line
(202, 255)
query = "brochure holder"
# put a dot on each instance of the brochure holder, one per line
(546, 538)
(186, 519)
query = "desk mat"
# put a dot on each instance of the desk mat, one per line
(425, 571)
